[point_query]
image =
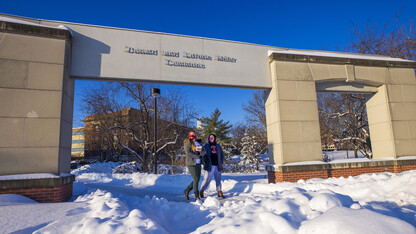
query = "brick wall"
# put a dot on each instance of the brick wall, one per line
(275, 176)
(43, 194)
(405, 168)
(50, 189)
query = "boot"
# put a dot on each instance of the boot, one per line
(201, 194)
(186, 191)
(220, 195)
(197, 196)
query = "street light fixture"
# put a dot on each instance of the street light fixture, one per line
(155, 93)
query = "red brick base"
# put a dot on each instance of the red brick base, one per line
(54, 189)
(43, 194)
(294, 176)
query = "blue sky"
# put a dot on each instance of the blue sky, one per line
(314, 25)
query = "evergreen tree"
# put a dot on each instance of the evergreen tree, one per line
(251, 149)
(217, 126)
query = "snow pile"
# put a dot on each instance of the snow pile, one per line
(106, 167)
(110, 215)
(212, 203)
(170, 169)
(244, 164)
(147, 203)
(130, 167)
(14, 199)
(344, 220)
(324, 201)
(292, 212)
(255, 206)
(250, 216)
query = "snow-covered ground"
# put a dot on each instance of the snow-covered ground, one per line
(342, 155)
(144, 203)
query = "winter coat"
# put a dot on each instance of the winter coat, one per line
(206, 160)
(191, 156)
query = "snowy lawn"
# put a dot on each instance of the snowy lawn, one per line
(141, 203)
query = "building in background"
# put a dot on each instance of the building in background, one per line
(117, 134)
(199, 124)
(78, 144)
(101, 143)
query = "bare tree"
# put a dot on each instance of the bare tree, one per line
(102, 103)
(237, 134)
(256, 118)
(132, 131)
(343, 116)
(395, 40)
(343, 120)
(256, 110)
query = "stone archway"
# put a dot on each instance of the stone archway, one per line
(293, 130)
(40, 59)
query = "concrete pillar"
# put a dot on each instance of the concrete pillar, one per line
(292, 114)
(401, 93)
(36, 96)
(380, 125)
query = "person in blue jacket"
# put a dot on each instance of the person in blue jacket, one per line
(212, 161)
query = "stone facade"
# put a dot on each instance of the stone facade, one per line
(36, 96)
(36, 105)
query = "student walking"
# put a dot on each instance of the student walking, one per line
(212, 161)
(193, 152)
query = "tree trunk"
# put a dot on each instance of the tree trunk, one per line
(146, 160)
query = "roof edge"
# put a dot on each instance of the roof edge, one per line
(367, 61)
(32, 29)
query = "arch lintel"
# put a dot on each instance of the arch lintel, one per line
(347, 87)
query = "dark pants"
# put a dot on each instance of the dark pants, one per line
(195, 172)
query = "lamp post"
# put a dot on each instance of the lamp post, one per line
(155, 93)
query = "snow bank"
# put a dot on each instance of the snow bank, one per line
(344, 220)
(109, 214)
(253, 205)
(105, 202)
(31, 176)
(131, 167)
(106, 167)
(14, 199)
